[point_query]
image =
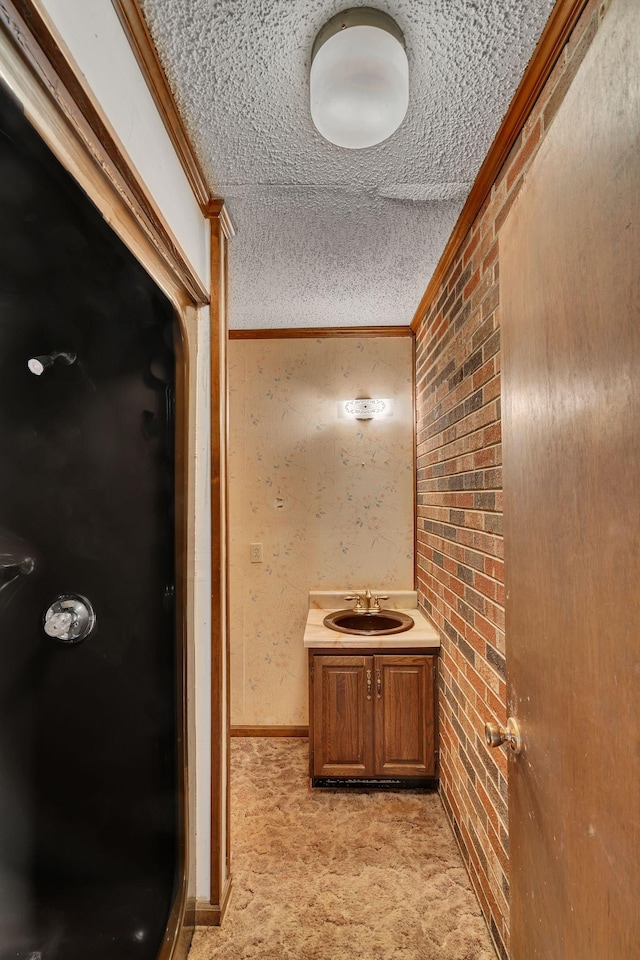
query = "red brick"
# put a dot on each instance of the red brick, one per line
(477, 683)
(491, 257)
(524, 155)
(498, 849)
(453, 274)
(467, 252)
(467, 689)
(506, 206)
(481, 291)
(494, 568)
(486, 586)
(474, 639)
(492, 389)
(484, 373)
(486, 457)
(496, 706)
(488, 806)
(471, 285)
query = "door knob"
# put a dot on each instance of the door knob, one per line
(496, 735)
(70, 618)
(59, 624)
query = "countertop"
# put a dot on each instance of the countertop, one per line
(422, 634)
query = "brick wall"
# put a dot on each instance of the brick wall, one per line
(460, 555)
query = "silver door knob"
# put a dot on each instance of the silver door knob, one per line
(70, 618)
(59, 624)
(496, 735)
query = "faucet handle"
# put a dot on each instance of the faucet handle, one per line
(358, 599)
(376, 601)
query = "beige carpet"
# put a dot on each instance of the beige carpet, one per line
(336, 875)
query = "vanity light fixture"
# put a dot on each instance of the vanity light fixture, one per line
(359, 78)
(365, 408)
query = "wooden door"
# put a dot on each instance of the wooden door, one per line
(570, 292)
(342, 716)
(404, 716)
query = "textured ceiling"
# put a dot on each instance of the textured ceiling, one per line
(325, 236)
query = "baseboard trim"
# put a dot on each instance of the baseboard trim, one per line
(189, 912)
(260, 731)
(212, 914)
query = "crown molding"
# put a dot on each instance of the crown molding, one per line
(141, 42)
(561, 22)
(143, 47)
(217, 209)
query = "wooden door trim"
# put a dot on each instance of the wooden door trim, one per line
(564, 17)
(220, 866)
(211, 915)
(47, 58)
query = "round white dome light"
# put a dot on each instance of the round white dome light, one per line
(359, 78)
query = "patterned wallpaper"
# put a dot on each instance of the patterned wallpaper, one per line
(331, 500)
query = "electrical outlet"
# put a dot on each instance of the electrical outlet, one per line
(255, 552)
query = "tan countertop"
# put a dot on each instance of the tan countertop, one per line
(422, 634)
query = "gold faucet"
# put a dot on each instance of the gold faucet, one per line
(375, 606)
(368, 602)
(359, 604)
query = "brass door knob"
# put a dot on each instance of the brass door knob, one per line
(495, 735)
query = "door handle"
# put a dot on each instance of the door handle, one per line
(379, 683)
(368, 684)
(496, 735)
(70, 618)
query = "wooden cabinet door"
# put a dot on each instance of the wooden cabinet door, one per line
(404, 716)
(342, 689)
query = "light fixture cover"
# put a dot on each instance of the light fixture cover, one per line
(359, 78)
(365, 408)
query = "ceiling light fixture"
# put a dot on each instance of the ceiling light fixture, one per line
(359, 78)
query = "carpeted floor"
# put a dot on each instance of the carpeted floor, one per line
(338, 875)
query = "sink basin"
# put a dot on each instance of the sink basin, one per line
(365, 624)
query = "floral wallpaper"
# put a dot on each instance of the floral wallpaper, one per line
(331, 500)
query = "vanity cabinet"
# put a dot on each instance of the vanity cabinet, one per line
(372, 715)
